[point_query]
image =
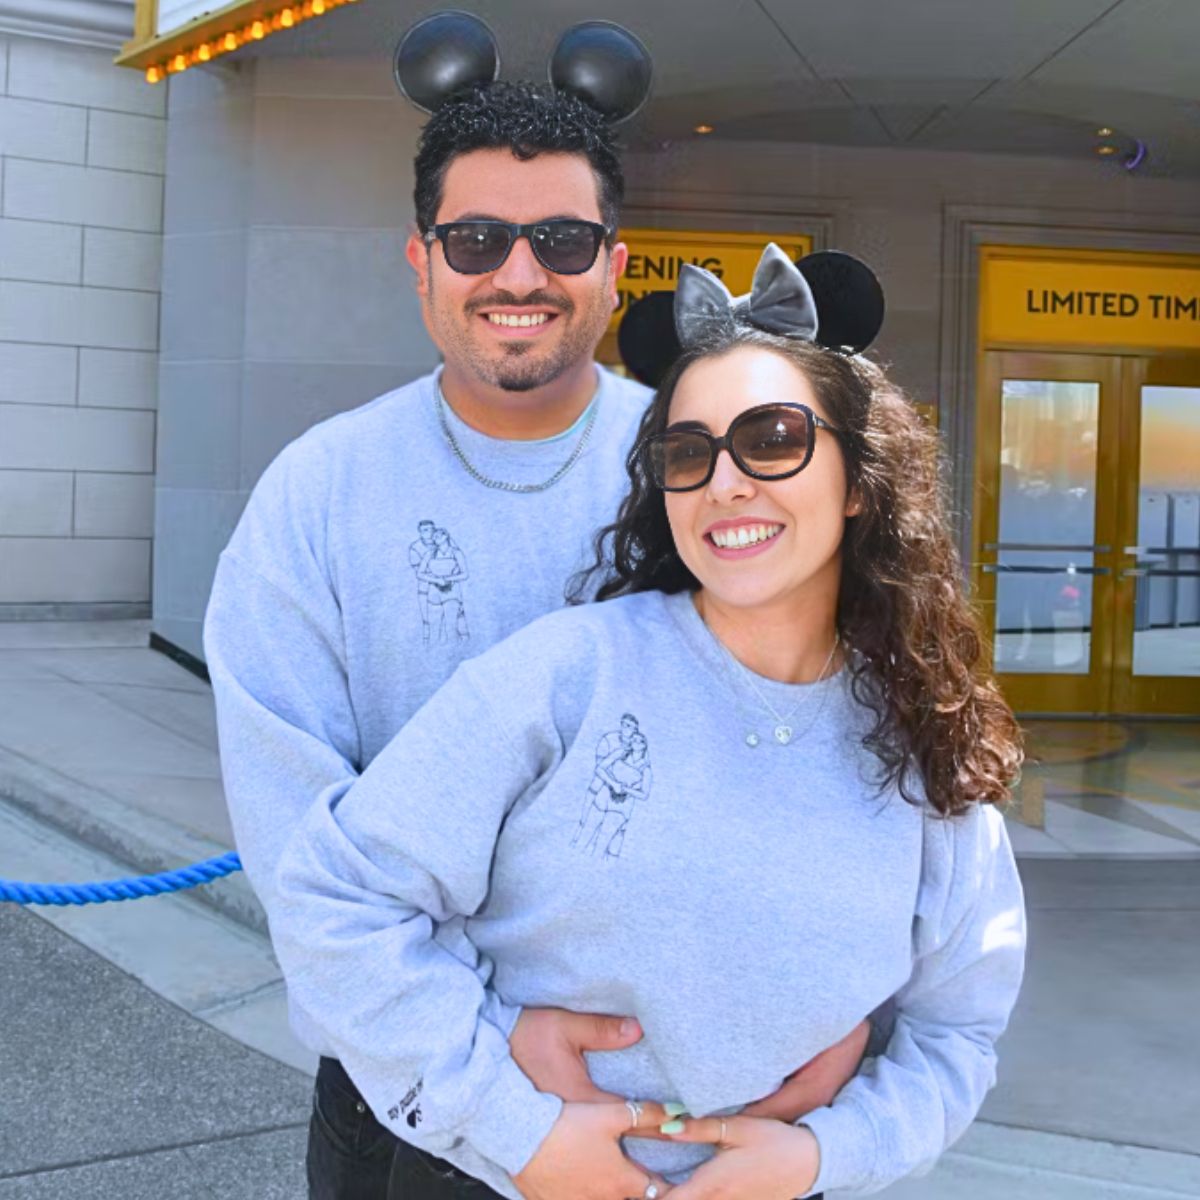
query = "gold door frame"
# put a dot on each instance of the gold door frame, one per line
(1143, 694)
(1082, 693)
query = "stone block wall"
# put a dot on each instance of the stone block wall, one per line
(82, 160)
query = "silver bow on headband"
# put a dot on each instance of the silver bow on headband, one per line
(780, 301)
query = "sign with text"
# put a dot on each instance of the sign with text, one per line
(1125, 300)
(656, 255)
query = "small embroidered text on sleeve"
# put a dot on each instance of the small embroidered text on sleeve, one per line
(406, 1103)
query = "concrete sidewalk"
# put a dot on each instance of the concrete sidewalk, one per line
(108, 764)
(110, 1091)
(116, 744)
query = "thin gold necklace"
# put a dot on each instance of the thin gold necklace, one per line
(784, 732)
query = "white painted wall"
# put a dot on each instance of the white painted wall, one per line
(82, 150)
(286, 298)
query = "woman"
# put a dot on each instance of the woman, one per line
(443, 570)
(784, 629)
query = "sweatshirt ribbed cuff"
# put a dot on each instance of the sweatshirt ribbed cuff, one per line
(503, 1016)
(848, 1146)
(512, 1119)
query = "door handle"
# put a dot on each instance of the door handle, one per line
(1153, 574)
(1046, 546)
(1010, 569)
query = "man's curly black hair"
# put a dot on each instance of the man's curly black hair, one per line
(528, 119)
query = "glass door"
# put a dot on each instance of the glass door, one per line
(1156, 658)
(1087, 531)
(1045, 514)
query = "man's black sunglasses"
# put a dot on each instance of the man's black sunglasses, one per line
(562, 245)
(769, 441)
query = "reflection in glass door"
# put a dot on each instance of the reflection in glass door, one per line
(1044, 570)
(1045, 561)
(1157, 656)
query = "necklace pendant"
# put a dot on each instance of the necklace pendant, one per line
(752, 739)
(783, 734)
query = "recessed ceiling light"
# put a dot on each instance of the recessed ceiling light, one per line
(1104, 131)
(1106, 150)
(703, 129)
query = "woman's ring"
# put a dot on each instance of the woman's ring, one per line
(635, 1116)
(722, 1131)
(651, 1192)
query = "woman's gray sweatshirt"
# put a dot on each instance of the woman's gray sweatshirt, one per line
(577, 819)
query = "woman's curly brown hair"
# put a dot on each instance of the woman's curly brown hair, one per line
(940, 720)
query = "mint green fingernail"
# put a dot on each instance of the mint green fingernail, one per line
(675, 1109)
(671, 1127)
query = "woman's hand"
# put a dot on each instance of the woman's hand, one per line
(756, 1156)
(582, 1159)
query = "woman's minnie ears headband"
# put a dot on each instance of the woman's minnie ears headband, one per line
(828, 298)
(598, 61)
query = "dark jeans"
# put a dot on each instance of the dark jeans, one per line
(351, 1156)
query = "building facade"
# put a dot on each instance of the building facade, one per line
(1018, 180)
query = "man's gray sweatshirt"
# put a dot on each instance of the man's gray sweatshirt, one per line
(367, 565)
(578, 820)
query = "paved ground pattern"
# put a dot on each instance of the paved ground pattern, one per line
(111, 1091)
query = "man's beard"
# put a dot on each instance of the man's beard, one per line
(520, 367)
(517, 373)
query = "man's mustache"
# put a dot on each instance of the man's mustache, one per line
(532, 300)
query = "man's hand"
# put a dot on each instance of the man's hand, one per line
(548, 1045)
(582, 1159)
(817, 1082)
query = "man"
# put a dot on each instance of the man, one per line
(318, 654)
(418, 552)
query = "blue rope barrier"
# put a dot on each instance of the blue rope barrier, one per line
(120, 889)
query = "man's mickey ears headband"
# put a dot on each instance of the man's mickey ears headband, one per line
(598, 61)
(828, 298)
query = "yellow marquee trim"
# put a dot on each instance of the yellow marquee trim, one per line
(212, 35)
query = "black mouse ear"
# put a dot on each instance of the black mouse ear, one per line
(443, 54)
(647, 339)
(849, 299)
(604, 64)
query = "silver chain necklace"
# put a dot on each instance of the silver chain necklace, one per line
(784, 733)
(500, 484)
